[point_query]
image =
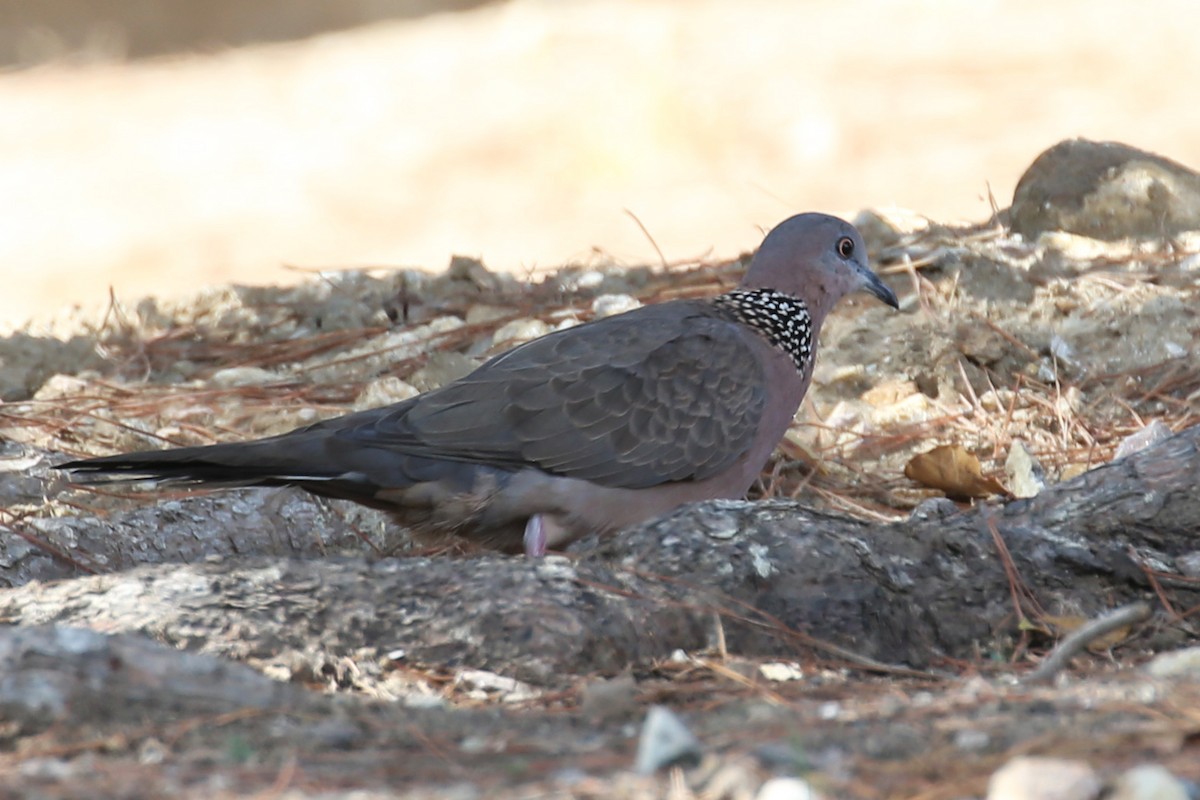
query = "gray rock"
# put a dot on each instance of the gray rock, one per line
(441, 367)
(665, 741)
(1189, 563)
(1105, 190)
(27, 361)
(888, 226)
(607, 699)
(19, 484)
(1152, 434)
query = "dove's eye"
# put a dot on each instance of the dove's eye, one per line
(845, 247)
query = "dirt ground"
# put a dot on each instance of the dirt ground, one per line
(521, 132)
(1069, 346)
(173, 173)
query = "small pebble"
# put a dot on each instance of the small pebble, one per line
(606, 305)
(665, 741)
(1152, 434)
(49, 769)
(483, 684)
(1148, 782)
(518, 331)
(441, 367)
(934, 508)
(1079, 248)
(1061, 349)
(972, 740)
(383, 392)
(609, 698)
(574, 281)
(786, 789)
(779, 672)
(482, 312)
(1184, 663)
(243, 376)
(1036, 778)
(1189, 563)
(58, 386)
(1025, 475)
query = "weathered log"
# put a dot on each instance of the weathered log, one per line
(907, 593)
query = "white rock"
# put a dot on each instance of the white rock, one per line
(588, 279)
(519, 330)
(606, 305)
(1035, 778)
(243, 376)
(1181, 663)
(482, 312)
(58, 386)
(481, 683)
(383, 392)
(786, 789)
(1025, 475)
(780, 672)
(1083, 248)
(1148, 782)
(1187, 241)
(846, 414)
(915, 408)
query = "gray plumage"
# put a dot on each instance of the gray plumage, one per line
(589, 429)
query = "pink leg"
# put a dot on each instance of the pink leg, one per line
(535, 537)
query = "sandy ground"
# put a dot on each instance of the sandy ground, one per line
(521, 132)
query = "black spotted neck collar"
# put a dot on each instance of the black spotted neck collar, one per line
(783, 320)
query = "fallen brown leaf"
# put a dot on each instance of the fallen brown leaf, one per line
(1061, 625)
(955, 471)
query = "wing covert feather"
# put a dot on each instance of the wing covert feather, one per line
(668, 393)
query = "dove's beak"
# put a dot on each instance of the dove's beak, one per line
(871, 283)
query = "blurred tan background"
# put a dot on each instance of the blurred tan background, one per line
(159, 146)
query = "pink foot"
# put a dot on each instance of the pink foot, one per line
(535, 537)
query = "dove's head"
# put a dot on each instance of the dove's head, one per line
(817, 258)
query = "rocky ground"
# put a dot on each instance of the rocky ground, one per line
(1042, 354)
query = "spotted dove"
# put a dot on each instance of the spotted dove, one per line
(589, 429)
